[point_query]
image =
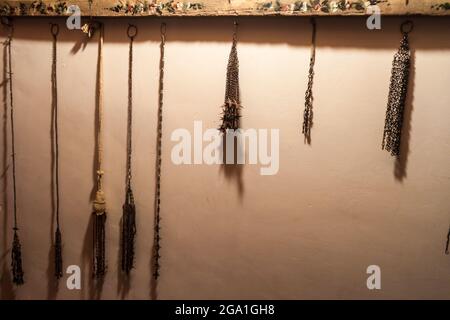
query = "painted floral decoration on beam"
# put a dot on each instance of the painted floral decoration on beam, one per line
(442, 6)
(325, 6)
(34, 8)
(155, 7)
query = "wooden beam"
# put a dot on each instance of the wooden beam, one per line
(120, 8)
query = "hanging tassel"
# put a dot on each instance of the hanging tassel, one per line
(128, 232)
(397, 94)
(58, 254)
(99, 254)
(99, 235)
(232, 105)
(16, 260)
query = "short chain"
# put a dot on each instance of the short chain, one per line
(308, 112)
(232, 104)
(397, 97)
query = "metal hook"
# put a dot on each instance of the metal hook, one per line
(132, 31)
(407, 26)
(6, 21)
(163, 29)
(54, 29)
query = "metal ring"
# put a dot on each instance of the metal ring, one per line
(54, 29)
(163, 28)
(407, 26)
(132, 31)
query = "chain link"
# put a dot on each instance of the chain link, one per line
(397, 96)
(308, 112)
(232, 105)
(157, 245)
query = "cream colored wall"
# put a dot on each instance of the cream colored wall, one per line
(310, 231)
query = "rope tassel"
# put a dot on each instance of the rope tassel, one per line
(232, 105)
(16, 260)
(397, 94)
(99, 223)
(99, 235)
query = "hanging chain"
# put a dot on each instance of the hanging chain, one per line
(11, 101)
(132, 32)
(308, 112)
(54, 28)
(397, 94)
(129, 209)
(157, 246)
(232, 105)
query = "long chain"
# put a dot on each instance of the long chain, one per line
(13, 143)
(16, 251)
(129, 209)
(308, 113)
(54, 31)
(157, 246)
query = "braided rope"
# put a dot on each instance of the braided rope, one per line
(99, 250)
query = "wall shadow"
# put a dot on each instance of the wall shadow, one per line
(230, 168)
(123, 280)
